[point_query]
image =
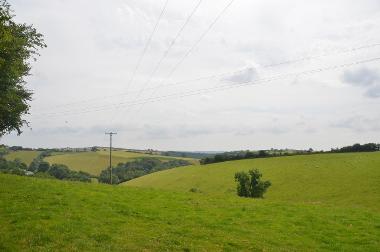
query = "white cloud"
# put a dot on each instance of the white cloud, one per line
(246, 75)
(359, 123)
(368, 79)
(93, 47)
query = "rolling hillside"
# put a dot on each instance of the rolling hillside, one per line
(25, 156)
(51, 215)
(351, 179)
(95, 162)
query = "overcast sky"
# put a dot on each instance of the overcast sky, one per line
(301, 58)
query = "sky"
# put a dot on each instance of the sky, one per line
(203, 75)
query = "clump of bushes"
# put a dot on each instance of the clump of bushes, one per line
(59, 171)
(62, 172)
(250, 184)
(369, 147)
(42, 169)
(195, 190)
(134, 169)
(12, 167)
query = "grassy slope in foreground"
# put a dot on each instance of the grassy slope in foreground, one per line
(351, 179)
(25, 156)
(46, 215)
(95, 162)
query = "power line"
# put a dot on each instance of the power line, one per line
(268, 66)
(145, 48)
(157, 66)
(147, 45)
(218, 88)
(169, 48)
(199, 39)
(219, 75)
(192, 48)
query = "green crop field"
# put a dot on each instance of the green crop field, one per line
(95, 162)
(351, 180)
(51, 215)
(25, 156)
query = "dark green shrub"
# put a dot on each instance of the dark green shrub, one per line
(258, 187)
(250, 184)
(138, 168)
(59, 171)
(43, 166)
(243, 184)
(195, 190)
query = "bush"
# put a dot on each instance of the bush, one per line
(134, 169)
(59, 171)
(243, 189)
(250, 184)
(369, 147)
(195, 190)
(42, 169)
(43, 166)
(105, 177)
(62, 172)
(12, 167)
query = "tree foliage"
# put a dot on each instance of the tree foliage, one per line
(19, 43)
(130, 170)
(243, 184)
(12, 167)
(42, 168)
(368, 147)
(250, 184)
(62, 172)
(238, 155)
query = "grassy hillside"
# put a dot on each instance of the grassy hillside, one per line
(95, 162)
(24, 156)
(351, 179)
(51, 215)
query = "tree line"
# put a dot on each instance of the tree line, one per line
(134, 169)
(238, 155)
(40, 168)
(369, 147)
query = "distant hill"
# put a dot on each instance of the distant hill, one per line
(83, 159)
(26, 156)
(349, 179)
(94, 162)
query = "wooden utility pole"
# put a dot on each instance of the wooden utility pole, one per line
(111, 133)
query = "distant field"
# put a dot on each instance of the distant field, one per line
(351, 179)
(52, 215)
(25, 156)
(95, 162)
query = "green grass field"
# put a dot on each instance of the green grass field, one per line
(351, 180)
(51, 215)
(25, 156)
(95, 162)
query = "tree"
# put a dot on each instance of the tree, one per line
(104, 177)
(59, 171)
(137, 168)
(43, 166)
(19, 44)
(12, 167)
(243, 184)
(250, 184)
(263, 153)
(258, 187)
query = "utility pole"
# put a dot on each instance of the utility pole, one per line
(111, 133)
